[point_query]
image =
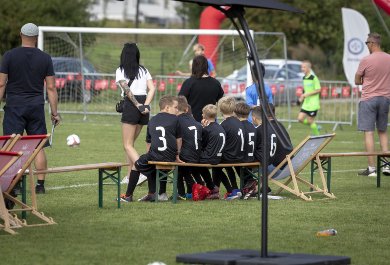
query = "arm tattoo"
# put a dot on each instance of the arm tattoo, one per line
(124, 86)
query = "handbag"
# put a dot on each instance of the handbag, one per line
(121, 103)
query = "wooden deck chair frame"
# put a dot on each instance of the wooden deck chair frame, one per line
(7, 159)
(8, 140)
(33, 209)
(295, 162)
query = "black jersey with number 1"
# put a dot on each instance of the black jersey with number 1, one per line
(234, 147)
(163, 130)
(213, 143)
(191, 132)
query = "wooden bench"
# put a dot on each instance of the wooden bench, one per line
(326, 163)
(107, 170)
(170, 170)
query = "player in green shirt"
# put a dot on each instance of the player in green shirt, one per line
(310, 99)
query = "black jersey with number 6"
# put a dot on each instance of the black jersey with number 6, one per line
(163, 130)
(191, 136)
(213, 143)
(250, 141)
(234, 148)
(276, 151)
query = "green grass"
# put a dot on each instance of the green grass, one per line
(140, 233)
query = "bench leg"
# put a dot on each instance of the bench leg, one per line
(115, 176)
(24, 196)
(174, 192)
(378, 171)
(100, 198)
(328, 173)
(157, 185)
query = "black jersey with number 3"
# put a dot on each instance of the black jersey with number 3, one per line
(235, 139)
(276, 151)
(213, 143)
(191, 132)
(250, 141)
(163, 130)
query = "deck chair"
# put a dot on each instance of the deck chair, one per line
(7, 159)
(295, 162)
(29, 145)
(8, 140)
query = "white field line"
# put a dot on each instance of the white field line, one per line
(95, 184)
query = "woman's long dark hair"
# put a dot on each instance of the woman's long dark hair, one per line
(130, 61)
(199, 66)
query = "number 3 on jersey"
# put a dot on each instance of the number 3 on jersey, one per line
(162, 138)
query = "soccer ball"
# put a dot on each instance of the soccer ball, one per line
(73, 140)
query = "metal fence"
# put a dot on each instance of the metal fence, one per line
(99, 96)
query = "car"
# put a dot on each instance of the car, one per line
(69, 79)
(276, 77)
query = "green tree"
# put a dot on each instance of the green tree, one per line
(317, 34)
(14, 14)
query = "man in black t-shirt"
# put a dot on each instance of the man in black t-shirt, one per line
(163, 139)
(23, 74)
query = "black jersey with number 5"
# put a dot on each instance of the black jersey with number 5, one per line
(213, 143)
(234, 147)
(250, 141)
(276, 151)
(191, 136)
(163, 130)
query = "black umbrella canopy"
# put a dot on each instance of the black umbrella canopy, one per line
(265, 4)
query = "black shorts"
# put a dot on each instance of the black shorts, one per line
(309, 113)
(132, 115)
(29, 118)
(142, 166)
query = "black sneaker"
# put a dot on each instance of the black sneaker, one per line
(150, 197)
(40, 189)
(367, 173)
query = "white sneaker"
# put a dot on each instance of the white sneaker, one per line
(163, 197)
(125, 180)
(142, 179)
(386, 170)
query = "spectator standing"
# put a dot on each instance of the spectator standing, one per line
(252, 97)
(199, 49)
(310, 99)
(200, 89)
(136, 83)
(23, 74)
(373, 74)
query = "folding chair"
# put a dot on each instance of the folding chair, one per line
(29, 145)
(8, 140)
(7, 159)
(296, 161)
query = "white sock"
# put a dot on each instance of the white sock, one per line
(371, 168)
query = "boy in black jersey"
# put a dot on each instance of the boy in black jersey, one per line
(213, 143)
(191, 131)
(242, 111)
(276, 150)
(163, 139)
(234, 147)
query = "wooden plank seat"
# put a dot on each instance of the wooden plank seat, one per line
(106, 170)
(169, 170)
(326, 163)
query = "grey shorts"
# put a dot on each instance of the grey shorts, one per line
(373, 112)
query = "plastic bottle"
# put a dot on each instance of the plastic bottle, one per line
(328, 232)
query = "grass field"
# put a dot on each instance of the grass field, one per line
(140, 233)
